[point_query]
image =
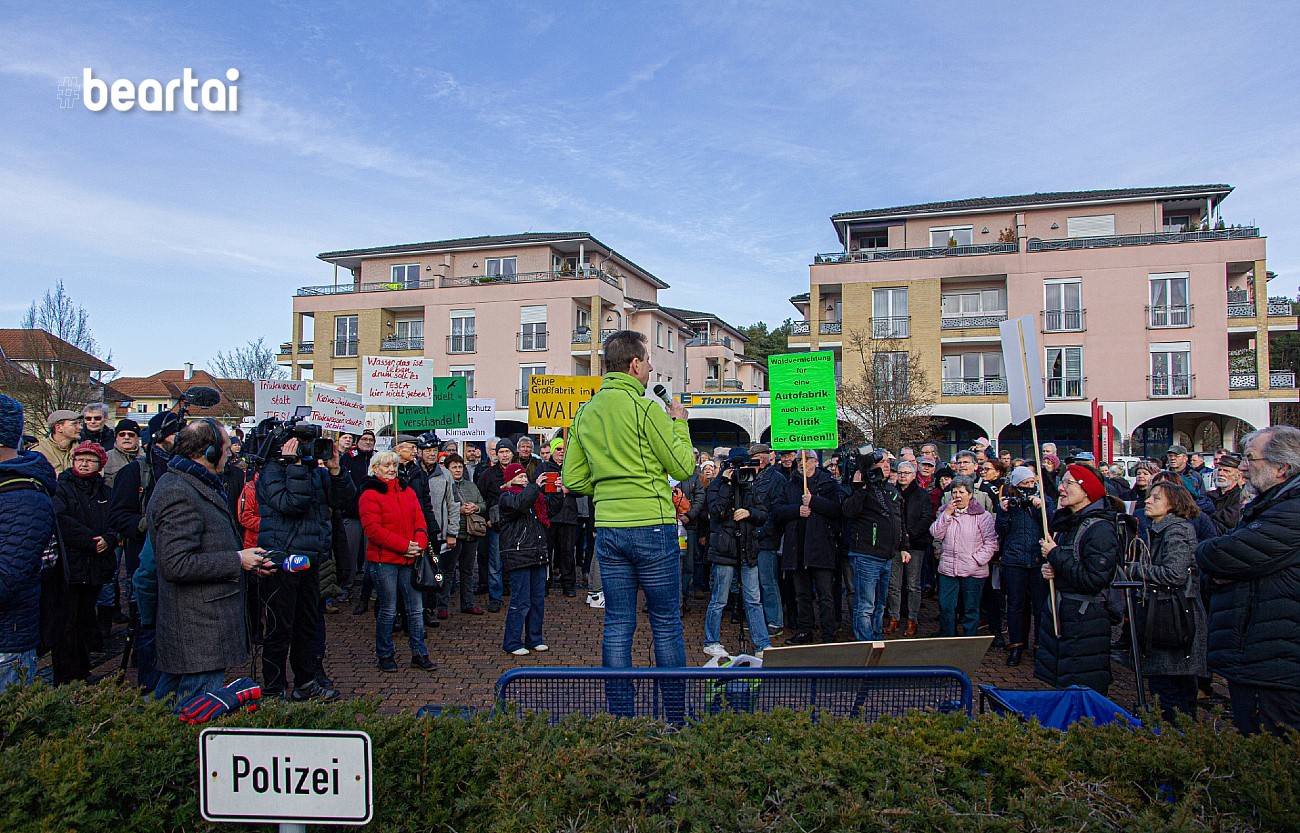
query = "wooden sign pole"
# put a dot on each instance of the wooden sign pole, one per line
(1042, 497)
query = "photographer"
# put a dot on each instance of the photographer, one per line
(295, 497)
(1020, 528)
(874, 510)
(737, 515)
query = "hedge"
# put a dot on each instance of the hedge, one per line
(99, 758)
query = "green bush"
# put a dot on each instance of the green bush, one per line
(101, 759)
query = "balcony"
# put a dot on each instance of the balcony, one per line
(460, 344)
(799, 328)
(993, 386)
(586, 273)
(874, 255)
(531, 342)
(379, 286)
(345, 349)
(582, 335)
(895, 326)
(717, 341)
(1064, 320)
(724, 384)
(1241, 304)
(830, 328)
(1063, 387)
(306, 347)
(1168, 317)
(521, 398)
(286, 349)
(394, 343)
(1279, 307)
(605, 334)
(1281, 379)
(967, 322)
(1243, 381)
(1109, 242)
(1174, 386)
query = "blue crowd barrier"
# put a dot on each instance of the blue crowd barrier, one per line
(677, 695)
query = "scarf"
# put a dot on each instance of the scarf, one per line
(190, 467)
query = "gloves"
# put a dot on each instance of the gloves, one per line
(213, 704)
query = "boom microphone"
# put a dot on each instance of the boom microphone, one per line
(201, 396)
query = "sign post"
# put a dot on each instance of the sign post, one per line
(553, 400)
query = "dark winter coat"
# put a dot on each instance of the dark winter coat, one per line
(1227, 509)
(875, 520)
(566, 506)
(125, 508)
(489, 482)
(811, 541)
(415, 478)
(105, 436)
(81, 504)
(26, 524)
(1171, 565)
(1020, 528)
(730, 541)
(918, 514)
(693, 489)
(1084, 565)
(294, 502)
(523, 535)
(769, 487)
(357, 465)
(1254, 575)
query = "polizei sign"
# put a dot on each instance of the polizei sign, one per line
(286, 776)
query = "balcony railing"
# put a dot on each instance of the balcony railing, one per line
(306, 346)
(586, 273)
(1111, 241)
(896, 326)
(521, 398)
(1241, 304)
(462, 343)
(605, 334)
(723, 384)
(412, 343)
(993, 386)
(531, 342)
(719, 341)
(870, 255)
(1173, 386)
(1243, 381)
(345, 349)
(1279, 306)
(286, 349)
(801, 328)
(377, 286)
(1162, 317)
(1281, 379)
(1064, 321)
(582, 335)
(830, 328)
(966, 322)
(1061, 387)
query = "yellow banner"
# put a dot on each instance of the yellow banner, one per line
(553, 400)
(696, 400)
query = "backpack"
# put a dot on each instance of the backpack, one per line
(681, 504)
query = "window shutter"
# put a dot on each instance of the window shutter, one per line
(1098, 225)
(1073, 362)
(346, 377)
(532, 315)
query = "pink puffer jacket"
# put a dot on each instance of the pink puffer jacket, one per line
(970, 540)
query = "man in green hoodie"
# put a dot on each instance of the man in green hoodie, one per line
(622, 449)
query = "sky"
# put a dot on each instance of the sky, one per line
(708, 142)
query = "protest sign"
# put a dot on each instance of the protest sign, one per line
(337, 410)
(552, 400)
(390, 380)
(278, 398)
(803, 400)
(481, 416)
(1022, 367)
(447, 395)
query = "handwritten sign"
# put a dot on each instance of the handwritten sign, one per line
(447, 411)
(481, 416)
(389, 380)
(278, 397)
(803, 400)
(337, 410)
(552, 400)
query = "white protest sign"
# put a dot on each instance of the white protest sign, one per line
(482, 417)
(278, 397)
(1023, 366)
(390, 380)
(337, 410)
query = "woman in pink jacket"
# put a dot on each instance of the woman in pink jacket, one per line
(970, 540)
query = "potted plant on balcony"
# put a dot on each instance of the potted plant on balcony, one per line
(952, 241)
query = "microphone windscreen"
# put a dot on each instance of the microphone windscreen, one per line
(203, 397)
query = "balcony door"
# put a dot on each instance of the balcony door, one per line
(1063, 306)
(1064, 372)
(1170, 305)
(345, 335)
(889, 313)
(1171, 370)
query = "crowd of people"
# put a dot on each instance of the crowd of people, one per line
(214, 551)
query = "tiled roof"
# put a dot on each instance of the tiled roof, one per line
(697, 315)
(14, 376)
(40, 346)
(639, 305)
(1045, 198)
(170, 384)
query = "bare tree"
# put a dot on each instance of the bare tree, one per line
(886, 395)
(69, 367)
(253, 361)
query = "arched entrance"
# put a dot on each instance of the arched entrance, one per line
(1199, 431)
(953, 434)
(512, 429)
(1066, 430)
(708, 434)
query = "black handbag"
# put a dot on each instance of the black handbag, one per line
(427, 574)
(1169, 620)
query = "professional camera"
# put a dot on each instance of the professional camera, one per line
(745, 469)
(268, 438)
(864, 458)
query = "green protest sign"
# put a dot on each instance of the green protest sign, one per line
(447, 411)
(802, 389)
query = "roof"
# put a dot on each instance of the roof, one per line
(41, 346)
(802, 298)
(352, 257)
(639, 305)
(696, 315)
(14, 376)
(170, 384)
(976, 204)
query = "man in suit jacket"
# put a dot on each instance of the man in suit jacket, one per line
(200, 621)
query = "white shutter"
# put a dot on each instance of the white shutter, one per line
(346, 377)
(1097, 225)
(532, 315)
(1073, 362)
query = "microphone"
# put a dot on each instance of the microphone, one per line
(662, 392)
(201, 396)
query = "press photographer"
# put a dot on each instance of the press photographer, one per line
(736, 514)
(874, 510)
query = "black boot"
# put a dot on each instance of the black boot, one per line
(104, 621)
(1013, 656)
(362, 605)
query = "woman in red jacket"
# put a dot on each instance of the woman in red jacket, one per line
(393, 523)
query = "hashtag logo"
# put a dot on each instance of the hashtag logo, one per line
(69, 92)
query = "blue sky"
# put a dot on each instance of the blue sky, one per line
(709, 142)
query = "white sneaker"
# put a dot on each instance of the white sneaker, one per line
(542, 647)
(715, 650)
(520, 652)
(596, 600)
(758, 654)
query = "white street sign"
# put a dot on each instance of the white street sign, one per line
(285, 776)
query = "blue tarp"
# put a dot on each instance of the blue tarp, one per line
(1058, 709)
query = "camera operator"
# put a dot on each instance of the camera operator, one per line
(736, 515)
(769, 486)
(295, 497)
(1019, 524)
(874, 510)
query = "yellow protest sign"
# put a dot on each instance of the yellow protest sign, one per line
(553, 400)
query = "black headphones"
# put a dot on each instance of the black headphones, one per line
(213, 452)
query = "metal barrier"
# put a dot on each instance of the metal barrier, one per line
(677, 695)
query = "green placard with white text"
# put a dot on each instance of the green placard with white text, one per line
(447, 411)
(802, 389)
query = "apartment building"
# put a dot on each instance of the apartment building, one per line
(1150, 300)
(494, 309)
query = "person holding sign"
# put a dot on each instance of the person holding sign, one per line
(810, 510)
(622, 449)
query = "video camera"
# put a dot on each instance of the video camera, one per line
(864, 458)
(745, 470)
(268, 438)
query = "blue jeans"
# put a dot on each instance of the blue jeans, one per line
(870, 592)
(391, 579)
(722, 575)
(769, 578)
(17, 667)
(186, 685)
(527, 608)
(644, 558)
(970, 590)
(494, 566)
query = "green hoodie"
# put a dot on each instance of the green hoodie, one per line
(622, 448)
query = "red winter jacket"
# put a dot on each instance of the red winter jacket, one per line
(249, 519)
(391, 519)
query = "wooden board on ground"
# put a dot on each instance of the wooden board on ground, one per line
(961, 652)
(828, 655)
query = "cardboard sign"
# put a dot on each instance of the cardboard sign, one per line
(481, 416)
(1022, 363)
(803, 400)
(389, 380)
(337, 410)
(553, 400)
(277, 398)
(447, 411)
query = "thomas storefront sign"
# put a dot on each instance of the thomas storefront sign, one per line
(720, 400)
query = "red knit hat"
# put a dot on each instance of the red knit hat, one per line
(512, 471)
(1090, 482)
(87, 447)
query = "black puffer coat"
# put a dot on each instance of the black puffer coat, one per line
(81, 505)
(1084, 561)
(1253, 574)
(733, 541)
(875, 520)
(918, 514)
(811, 541)
(294, 502)
(770, 487)
(523, 535)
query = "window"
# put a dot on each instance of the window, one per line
(974, 303)
(345, 336)
(408, 334)
(467, 373)
(877, 238)
(1169, 301)
(659, 334)
(1063, 306)
(408, 277)
(671, 338)
(1171, 369)
(1097, 225)
(462, 339)
(1177, 222)
(525, 372)
(889, 313)
(500, 267)
(346, 378)
(973, 374)
(142, 408)
(584, 317)
(1064, 373)
(941, 236)
(889, 374)
(532, 328)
